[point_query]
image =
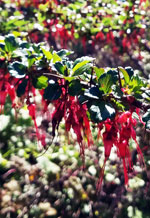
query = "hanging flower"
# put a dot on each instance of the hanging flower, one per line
(117, 133)
(3, 95)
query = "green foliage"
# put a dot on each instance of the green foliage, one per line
(81, 65)
(10, 43)
(27, 62)
(40, 82)
(53, 91)
(146, 119)
(100, 111)
(75, 87)
(60, 68)
(17, 69)
(22, 88)
(86, 81)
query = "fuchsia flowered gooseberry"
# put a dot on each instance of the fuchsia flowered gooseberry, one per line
(117, 133)
(6, 89)
(75, 117)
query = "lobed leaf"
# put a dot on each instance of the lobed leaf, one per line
(52, 92)
(10, 43)
(22, 87)
(100, 111)
(17, 69)
(59, 67)
(40, 82)
(75, 87)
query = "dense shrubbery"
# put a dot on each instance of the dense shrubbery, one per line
(96, 104)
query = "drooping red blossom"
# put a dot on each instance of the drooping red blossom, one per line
(32, 112)
(100, 36)
(3, 95)
(62, 34)
(75, 117)
(12, 94)
(110, 37)
(126, 43)
(57, 115)
(117, 133)
(83, 41)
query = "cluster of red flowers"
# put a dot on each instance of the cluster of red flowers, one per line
(118, 132)
(75, 116)
(6, 88)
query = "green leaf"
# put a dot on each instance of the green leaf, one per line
(82, 99)
(147, 126)
(93, 93)
(80, 68)
(21, 88)
(114, 75)
(48, 54)
(43, 7)
(2, 47)
(56, 58)
(99, 71)
(136, 83)
(81, 65)
(68, 78)
(20, 23)
(107, 21)
(59, 67)
(74, 87)
(100, 111)
(40, 82)
(137, 17)
(125, 75)
(64, 52)
(52, 92)
(85, 58)
(129, 71)
(146, 116)
(24, 45)
(106, 82)
(31, 60)
(17, 69)
(146, 119)
(117, 92)
(10, 43)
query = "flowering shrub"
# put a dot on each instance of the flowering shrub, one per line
(119, 29)
(81, 93)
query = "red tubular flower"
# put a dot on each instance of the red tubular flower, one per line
(118, 132)
(109, 136)
(126, 43)
(110, 37)
(100, 36)
(75, 116)
(109, 139)
(3, 95)
(124, 153)
(125, 172)
(57, 115)
(108, 143)
(42, 139)
(31, 109)
(83, 40)
(12, 94)
(78, 120)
